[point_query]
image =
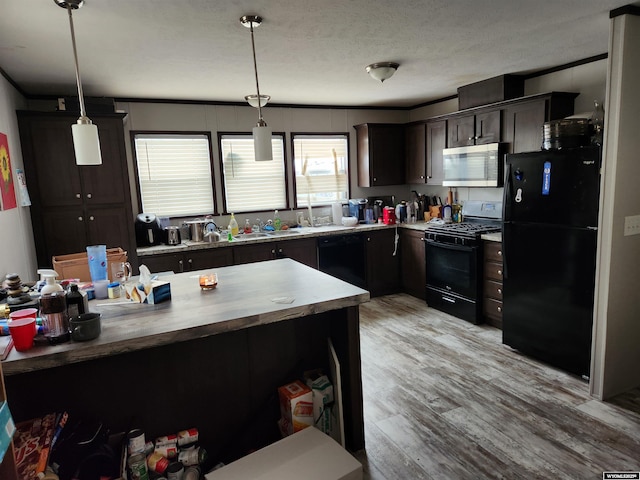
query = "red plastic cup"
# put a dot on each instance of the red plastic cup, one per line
(22, 333)
(25, 313)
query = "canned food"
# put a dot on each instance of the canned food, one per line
(148, 447)
(167, 450)
(171, 439)
(157, 462)
(191, 473)
(136, 441)
(175, 471)
(192, 456)
(138, 466)
(187, 436)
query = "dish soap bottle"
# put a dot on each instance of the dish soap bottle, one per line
(247, 226)
(50, 285)
(233, 225)
(277, 224)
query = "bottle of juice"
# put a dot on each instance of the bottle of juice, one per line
(247, 226)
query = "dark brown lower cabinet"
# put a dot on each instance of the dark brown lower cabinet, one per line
(413, 263)
(492, 285)
(383, 267)
(302, 250)
(188, 261)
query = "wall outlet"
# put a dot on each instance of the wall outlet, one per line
(632, 225)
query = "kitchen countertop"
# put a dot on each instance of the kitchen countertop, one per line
(246, 295)
(297, 233)
(492, 237)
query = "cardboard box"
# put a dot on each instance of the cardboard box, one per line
(76, 265)
(296, 407)
(322, 393)
(156, 292)
(7, 428)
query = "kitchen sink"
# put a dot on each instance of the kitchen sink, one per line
(249, 236)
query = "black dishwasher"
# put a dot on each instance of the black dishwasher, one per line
(343, 257)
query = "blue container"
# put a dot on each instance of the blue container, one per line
(97, 258)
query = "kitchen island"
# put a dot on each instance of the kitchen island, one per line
(207, 359)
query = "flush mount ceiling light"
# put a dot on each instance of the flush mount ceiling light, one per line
(85, 134)
(261, 132)
(382, 70)
(253, 100)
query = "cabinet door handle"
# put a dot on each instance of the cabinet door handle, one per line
(80, 219)
(91, 218)
(181, 263)
(89, 195)
(422, 239)
(500, 291)
(499, 253)
(421, 177)
(78, 195)
(500, 309)
(273, 252)
(368, 239)
(499, 272)
(375, 179)
(471, 138)
(428, 176)
(279, 250)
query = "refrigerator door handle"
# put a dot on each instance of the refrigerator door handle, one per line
(506, 201)
(505, 254)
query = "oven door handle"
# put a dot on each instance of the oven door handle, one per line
(451, 246)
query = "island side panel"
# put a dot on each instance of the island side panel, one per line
(345, 335)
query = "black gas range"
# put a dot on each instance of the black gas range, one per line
(454, 260)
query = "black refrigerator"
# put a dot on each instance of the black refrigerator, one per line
(549, 253)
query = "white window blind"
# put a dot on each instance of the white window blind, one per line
(174, 174)
(321, 169)
(251, 185)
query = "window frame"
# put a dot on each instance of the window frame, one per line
(223, 193)
(293, 167)
(207, 134)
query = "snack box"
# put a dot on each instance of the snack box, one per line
(296, 407)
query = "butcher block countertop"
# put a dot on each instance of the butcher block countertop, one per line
(247, 295)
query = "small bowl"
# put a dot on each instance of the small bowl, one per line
(86, 326)
(349, 221)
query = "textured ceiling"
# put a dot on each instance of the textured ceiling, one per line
(308, 51)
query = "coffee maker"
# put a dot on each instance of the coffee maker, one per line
(148, 230)
(357, 208)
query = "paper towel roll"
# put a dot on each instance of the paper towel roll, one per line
(336, 213)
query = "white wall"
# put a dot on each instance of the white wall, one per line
(616, 359)
(17, 251)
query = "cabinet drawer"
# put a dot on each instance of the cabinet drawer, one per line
(493, 271)
(493, 309)
(493, 252)
(492, 289)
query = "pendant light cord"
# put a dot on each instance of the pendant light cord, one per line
(261, 122)
(83, 113)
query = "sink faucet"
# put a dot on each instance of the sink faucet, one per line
(310, 215)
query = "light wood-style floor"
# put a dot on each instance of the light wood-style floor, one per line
(444, 399)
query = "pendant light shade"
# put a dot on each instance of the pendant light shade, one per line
(261, 132)
(86, 144)
(85, 135)
(262, 142)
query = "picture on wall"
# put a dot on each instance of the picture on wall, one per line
(7, 191)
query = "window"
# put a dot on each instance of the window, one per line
(321, 168)
(174, 173)
(250, 185)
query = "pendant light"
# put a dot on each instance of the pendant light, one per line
(85, 134)
(261, 132)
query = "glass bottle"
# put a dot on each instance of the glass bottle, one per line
(277, 224)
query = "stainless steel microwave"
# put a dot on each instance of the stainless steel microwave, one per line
(474, 166)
